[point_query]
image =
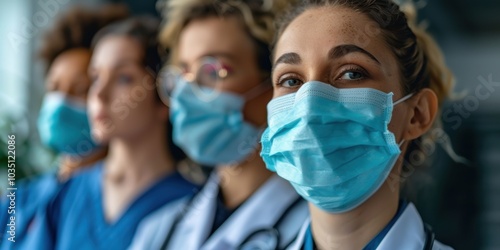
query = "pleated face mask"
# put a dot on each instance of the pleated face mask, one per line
(333, 145)
(64, 126)
(212, 131)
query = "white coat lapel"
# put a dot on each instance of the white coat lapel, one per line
(261, 210)
(194, 228)
(408, 231)
(299, 241)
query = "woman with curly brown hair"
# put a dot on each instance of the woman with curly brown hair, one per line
(63, 124)
(217, 87)
(355, 84)
(66, 52)
(101, 206)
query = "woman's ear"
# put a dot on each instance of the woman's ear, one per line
(424, 110)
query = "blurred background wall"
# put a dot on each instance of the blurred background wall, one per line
(460, 201)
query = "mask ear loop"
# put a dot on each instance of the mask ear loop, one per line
(403, 99)
(398, 102)
(401, 143)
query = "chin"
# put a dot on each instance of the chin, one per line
(101, 137)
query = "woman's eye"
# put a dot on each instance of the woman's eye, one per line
(93, 79)
(352, 75)
(290, 83)
(124, 79)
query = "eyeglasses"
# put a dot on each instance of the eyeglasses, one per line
(205, 81)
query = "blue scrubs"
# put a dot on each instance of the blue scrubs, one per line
(75, 218)
(30, 196)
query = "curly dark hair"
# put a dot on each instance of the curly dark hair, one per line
(76, 28)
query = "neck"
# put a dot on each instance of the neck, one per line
(239, 182)
(144, 159)
(356, 228)
(71, 164)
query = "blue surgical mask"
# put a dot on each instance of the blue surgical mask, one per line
(63, 125)
(333, 145)
(210, 127)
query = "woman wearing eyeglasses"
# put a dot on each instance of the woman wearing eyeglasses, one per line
(355, 85)
(217, 87)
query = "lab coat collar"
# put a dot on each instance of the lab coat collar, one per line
(261, 210)
(407, 231)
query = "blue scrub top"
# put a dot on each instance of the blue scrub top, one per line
(75, 218)
(30, 196)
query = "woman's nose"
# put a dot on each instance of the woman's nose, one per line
(101, 88)
(319, 72)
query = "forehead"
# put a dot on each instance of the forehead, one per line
(202, 37)
(114, 49)
(317, 30)
(70, 62)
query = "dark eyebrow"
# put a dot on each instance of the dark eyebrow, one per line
(121, 64)
(126, 62)
(343, 50)
(231, 58)
(288, 58)
(225, 55)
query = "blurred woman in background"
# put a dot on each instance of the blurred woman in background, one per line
(66, 51)
(63, 125)
(217, 87)
(355, 83)
(101, 206)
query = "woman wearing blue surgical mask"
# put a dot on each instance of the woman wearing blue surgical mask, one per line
(101, 206)
(355, 83)
(217, 87)
(63, 125)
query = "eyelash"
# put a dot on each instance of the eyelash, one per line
(287, 77)
(354, 69)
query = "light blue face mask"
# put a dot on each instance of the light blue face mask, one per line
(63, 125)
(333, 145)
(211, 131)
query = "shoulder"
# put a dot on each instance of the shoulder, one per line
(83, 184)
(178, 181)
(154, 228)
(86, 176)
(300, 239)
(440, 246)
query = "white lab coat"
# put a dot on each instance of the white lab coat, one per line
(154, 228)
(407, 233)
(261, 210)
